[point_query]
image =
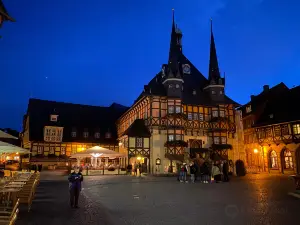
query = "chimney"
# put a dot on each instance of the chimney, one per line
(252, 97)
(266, 88)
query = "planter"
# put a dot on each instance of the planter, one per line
(221, 146)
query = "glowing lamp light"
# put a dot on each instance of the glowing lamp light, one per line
(255, 151)
(17, 153)
(120, 143)
(96, 155)
(139, 158)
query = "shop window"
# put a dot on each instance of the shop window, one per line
(273, 160)
(288, 159)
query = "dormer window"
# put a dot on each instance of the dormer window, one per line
(85, 134)
(213, 92)
(271, 116)
(194, 92)
(73, 134)
(97, 135)
(53, 118)
(177, 85)
(107, 135)
(170, 86)
(221, 92)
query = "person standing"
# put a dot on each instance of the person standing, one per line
(225, 171)
(75, 179)
(193, 171)
(216, 173)
(183, 172)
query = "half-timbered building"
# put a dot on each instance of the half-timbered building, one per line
(182, 110)
(53, 131)
(272, 130)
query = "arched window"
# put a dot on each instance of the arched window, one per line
(288, 159)
(273, 160)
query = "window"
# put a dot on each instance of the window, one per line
(271, 116)
(107, 135)
(222, 113)
(178, 137)
(285, 129)
(213, 92)
(171, 109)
(40, 150)
(170, 137)
(194, 92)
(85, 134)
(288, 159)
(215, 113)
(277, 131)
(139, 142)
(273, 160)
(97, 135)
(190, 116)
(296, 128)
(63, 150)
(216, 140)
(200, 116)
(52, 150)
(170, 85)
(223, 140)
(177, 85)
(221, 92)
(269, 132)
(248, 109)
(53, 118)
(195, 116)
(73, 134)
(178, 109)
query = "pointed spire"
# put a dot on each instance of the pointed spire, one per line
(4, 14)
(214, 73)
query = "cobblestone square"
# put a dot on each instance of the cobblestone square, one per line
(114, 200)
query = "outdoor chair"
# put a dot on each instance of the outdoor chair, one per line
(9, 215)
(26, 196)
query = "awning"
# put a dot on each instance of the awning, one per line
(6, 135)
(6, 148)
(98, 152)
(175, 157)
(216, 157)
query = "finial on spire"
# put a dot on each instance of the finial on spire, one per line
(211, 24)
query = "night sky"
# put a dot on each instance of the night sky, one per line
(98, 52)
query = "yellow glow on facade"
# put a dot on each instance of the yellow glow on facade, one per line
(255, 151)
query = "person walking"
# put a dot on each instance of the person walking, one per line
(75, 179)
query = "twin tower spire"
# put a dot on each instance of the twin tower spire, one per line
(176, 52)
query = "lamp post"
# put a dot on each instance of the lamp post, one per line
(257, 157)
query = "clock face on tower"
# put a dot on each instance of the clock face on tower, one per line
(186, 68)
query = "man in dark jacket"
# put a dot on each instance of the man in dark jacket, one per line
(225, 171)
(75, 179)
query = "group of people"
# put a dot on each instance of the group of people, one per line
(205, 171)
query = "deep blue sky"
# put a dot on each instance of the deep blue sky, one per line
(98, 52)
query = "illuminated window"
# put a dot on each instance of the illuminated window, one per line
(178, 137)
(97, 135)
(63, 150)
(195, 116)
(178, 109)
(200, 116)
(190, 116)
(52, 150)
(40, 150)
(53, 118)
(288, 160)
(223, 140)
(170, 137)
(171, 109)
(85, 134)
(139, 142)
(73, 134)
(222, 113)
(248, 109)
(273, 160)
(215, 113)
(216, 140)
(296, 128)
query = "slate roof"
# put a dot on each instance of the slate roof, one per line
(74, 117)
(283, 108)
(138, 129)
(193, 81)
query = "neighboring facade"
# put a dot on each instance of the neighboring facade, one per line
(272, 130)
(4, 16)
(53, 131)
(183, 111)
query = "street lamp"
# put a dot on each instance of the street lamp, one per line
(255, 151)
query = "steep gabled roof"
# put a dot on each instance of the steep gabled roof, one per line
(138, 129)
(283, 108)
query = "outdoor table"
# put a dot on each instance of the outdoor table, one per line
(12, 194)
(14, 186)
(21, 180)
(17, 182)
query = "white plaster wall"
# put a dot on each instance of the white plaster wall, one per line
(157, 142)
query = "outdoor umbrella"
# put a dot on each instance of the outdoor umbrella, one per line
(6, 135)
(9, 148)
(97, 151)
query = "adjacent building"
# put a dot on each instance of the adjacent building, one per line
(271, 122)
(181, 112)
(53, 131)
